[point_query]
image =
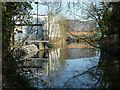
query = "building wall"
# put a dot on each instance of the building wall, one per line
(50, 27)
(54, 27)
(80, 33)
(77, 25)
(18, 37)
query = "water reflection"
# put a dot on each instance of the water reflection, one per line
(81, 53)
(54, 67)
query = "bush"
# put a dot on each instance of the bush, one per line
(52, 44)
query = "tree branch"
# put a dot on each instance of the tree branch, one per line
(85, 39)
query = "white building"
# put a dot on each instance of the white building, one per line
(54, 27)
(49, 28)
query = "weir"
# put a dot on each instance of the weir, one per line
(41, 45)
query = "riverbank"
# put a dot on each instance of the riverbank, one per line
(79, 45)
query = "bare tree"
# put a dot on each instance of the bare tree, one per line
(89, 11)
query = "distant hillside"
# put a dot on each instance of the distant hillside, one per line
(76, 25)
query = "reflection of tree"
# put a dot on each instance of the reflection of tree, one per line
(79, 75)
(63, 55)
(105, 74)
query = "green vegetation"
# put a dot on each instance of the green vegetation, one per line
(109, 24)
(52, 44)
(11, 78)
(109, 41)
(107, 38)
(107, 16)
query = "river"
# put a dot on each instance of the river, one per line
(68, 67)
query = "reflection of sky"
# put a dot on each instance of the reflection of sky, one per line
(71, 68)
(74, 67)
(66, 70)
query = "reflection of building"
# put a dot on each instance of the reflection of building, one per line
(54, 56)
(40, 64)
(35, 68)
(44, 64)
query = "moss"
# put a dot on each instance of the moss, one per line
(52, 44)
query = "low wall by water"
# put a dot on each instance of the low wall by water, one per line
(26, 50)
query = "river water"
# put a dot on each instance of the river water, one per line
(68, 67)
